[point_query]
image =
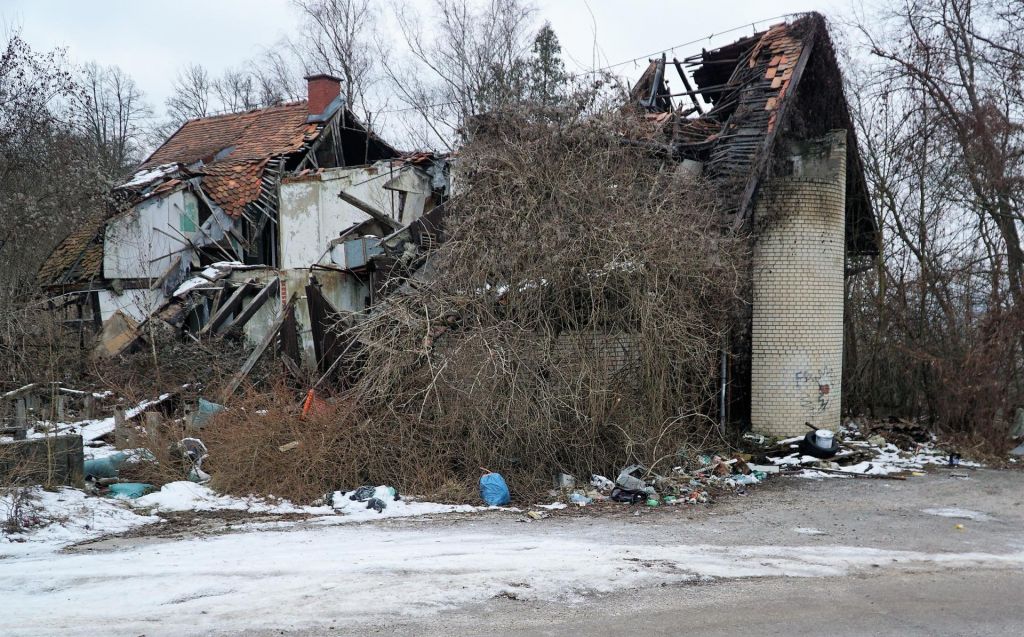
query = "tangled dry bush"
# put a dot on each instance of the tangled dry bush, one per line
(573, 323)
(37, 346)
(574, 319)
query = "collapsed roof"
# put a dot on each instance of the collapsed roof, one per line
(235, 161)
(745, 96)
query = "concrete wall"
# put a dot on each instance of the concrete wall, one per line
(142, 243)
(137, 304)
(344, 291)
(311, 214)
(798, 271)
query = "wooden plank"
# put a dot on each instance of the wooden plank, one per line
(247, 313)
(254, 357)
(225, 310)
(368, 209)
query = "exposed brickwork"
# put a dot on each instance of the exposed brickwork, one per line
(798, 270)
(322, 90)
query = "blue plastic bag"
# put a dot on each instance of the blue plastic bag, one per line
(493, 489)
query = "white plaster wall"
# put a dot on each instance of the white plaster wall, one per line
(312, 214)
(137, 304)
(142, 243)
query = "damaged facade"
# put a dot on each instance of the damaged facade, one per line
(278, 220)
(283, 221)
(766, 120)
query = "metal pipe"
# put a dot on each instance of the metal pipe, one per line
(723, 382)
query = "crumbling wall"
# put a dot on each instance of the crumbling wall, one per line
(798, 270)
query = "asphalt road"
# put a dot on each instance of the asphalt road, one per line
(905, 605)
(932, 555)
(891, 515)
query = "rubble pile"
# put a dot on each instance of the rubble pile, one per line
(875, 450)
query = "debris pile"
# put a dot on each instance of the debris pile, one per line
(872, 450)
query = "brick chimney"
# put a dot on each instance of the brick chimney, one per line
(322, 90)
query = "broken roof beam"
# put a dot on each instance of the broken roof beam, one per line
(254, 357)
(369, 209)
(686, 84)
(257, 302)
(225, 310)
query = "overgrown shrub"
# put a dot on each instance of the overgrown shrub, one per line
(572, 323)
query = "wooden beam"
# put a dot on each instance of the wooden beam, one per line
(254, 357)
(247, 313)
(225, 310)
(686, 83)
(368, 209)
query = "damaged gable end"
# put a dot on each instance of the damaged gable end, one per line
(237, 220)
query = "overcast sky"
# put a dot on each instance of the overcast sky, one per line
(152, 40)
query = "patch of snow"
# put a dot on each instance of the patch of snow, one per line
(960, 514)
(553, 506)
(407, 506)
(189, 285)
(54, 519)
(331, 576)
(808, 530)
(149, 175)
(176, 497)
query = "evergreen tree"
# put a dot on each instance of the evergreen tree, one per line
(547, 72)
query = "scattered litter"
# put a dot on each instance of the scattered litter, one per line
(628, 496)
(130, 490)
(892, 451)
(553, 506)
(580, 499)
(601, 483)
(536, 515)
(192, 452)
(565, 482)
(205, 410)
(629, 478)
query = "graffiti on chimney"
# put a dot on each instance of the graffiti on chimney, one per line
(815, 387)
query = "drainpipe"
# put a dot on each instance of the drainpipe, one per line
(722, 373)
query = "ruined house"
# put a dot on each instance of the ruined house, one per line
(766, 119)
(249, 224)
(283, 220)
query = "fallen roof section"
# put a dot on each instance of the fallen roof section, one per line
(784, 81)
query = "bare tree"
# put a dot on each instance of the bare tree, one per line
(193, 94)
(963, 60)
(236, 90)
(938, 103)
(46, 176)
(276, 76)
(469, 60)
(338, 37)
(112, 112)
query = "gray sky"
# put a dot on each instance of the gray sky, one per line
(152, 40)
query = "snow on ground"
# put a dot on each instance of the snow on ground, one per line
(176, 497)
(962, 514)
(320, 577)
(54, 519)
(887, 459)
(69, 516)
(90, 429)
